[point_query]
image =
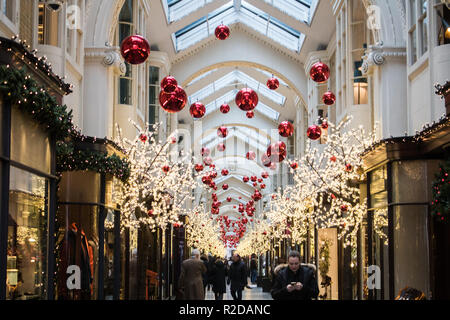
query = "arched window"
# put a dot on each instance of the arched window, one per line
(125, 29)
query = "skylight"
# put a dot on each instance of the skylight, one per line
(237, 77)
(254, 138)
(301, 10)
(177, 9)
(269, 75)
(204, 75)
(226, 98)
(246, 14)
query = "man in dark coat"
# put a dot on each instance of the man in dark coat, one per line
(237, 276)
(218, 276)
(191, 280)
(296, 281)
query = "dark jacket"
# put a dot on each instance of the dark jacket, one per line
(305, 275)
(218, 275)
(237, 275)
(253, 264)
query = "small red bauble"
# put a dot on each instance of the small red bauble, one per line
(225, 172)
(314, 132)
(348, 167)
(169, 84)
(260, 180)
(225, 187)
(150, 212)
(320, 72)
(222, 132)
(263, 186)
(213, 174)
(229, 199)
(324, 125)
(329, 98)
(344, 208)
(294, 165)
(221, 147)
(247, 99)
(251, 155)
(266, 160)
(143, 138)
(173, 102)
(197, 110)
(250, 114)
(216, 204)
(135, 49)
(173, 140)
(265, 175)
(333, 159)
(225, 108)
(255, 184)
(206, 180)
(222, 32)
(286, 129)
(254, 178)
(207, 161)
(245, 179)
(166, 169)
(199, 167)
(205, 152)
(273, 83)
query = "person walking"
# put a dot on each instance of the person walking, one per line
(218, 277)
(191, 278)
(253, 269)
(205, 275)
(296, 281)
(237, 277)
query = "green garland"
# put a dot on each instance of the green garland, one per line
(21, 90)
(70, 159)
(440, 207)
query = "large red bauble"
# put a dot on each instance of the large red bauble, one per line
(266, 160)
(246, 179)
(251, 155)
(277, 152)
(273, 83)
(314, 132)
(135, 49)
(197, 110)
(221, 147)
(225, 108)
(222, 132)
(173, 102)
(206, 180)
(250, 114)
(205, 152)
(222, 32)
(329, 98)
(199, 167)
(265, 175)
(286, 129)
(320, 72)
(208, 161)
(169, 84)
(225, 187)
(229, 199)
(247, 99)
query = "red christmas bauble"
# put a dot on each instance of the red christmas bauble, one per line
(222, 32)
(266, 160)
(225, 108)
(286, 129)
(221, 147)
(222, 132)
(320, 72)
(314, 132)
(247, 99)
(324, 125)
(344, 208)
(143, 138)
(206, 180)
(333, 159)
(150, 212)
(263, 186)
(294, 165)
(329, 98)
(229, 199)
(225, 187)
(199, 167)
(207, 161)
(348, 167)
(277, 152)
(265, 175)
(255, 184)
(254, 178)
(169, 84)
(197, 110)
(213, 174)
(135, 49)
(273, 83)
(205, 152)
(173, 140)
(173, 102)
(225, 172)
(216, 204)
(251, 155)
(246, 179)
(166, 169)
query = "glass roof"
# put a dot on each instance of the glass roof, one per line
(301, 10)
(204, 75)
(245, 134)
(246, 14)
(236, 77)
(178, 9)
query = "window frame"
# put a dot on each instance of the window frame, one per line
(415, 22)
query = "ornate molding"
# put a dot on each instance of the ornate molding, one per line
(108, 56)
(376, 56)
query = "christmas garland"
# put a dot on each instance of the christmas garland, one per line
(70, 159)
(21, 90)
(440, 207)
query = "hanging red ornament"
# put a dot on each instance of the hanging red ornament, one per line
(250, 114)
(199, 167)
(215, 211)
(229, 199)
(344, 208)
(206, 180)
(135, 49)
(277, 152)
(251, 155)
(205, 152)
(143, 138)
(255, 184)
(263, 186)
(274, 197)
(286, 129)
(222, 132)
(222, 32)
(225, 108)
(221, 147)
(266, 160)
(265, 175)
(213, 174)
(348, 167)
(169, 84)
(333, 159)
(329, 98)
(166, 169)
(324, 125)
(245, 179)
(216, 204)
(273, 83)
(320, 72)
(225, 172)
(173, 102)
(225, 187)
(247, 99)
(314, 132)
(207, 161)
(197, 110)
(173, 140)
(294, 165)
(150, 212)
(214, 196)
(254, 178)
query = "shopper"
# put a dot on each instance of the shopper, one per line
(205, 275)
(296, 281)
(218, 276)
(253, 269)
(191, 280)
(237, 277)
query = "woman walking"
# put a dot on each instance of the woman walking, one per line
(219, 274)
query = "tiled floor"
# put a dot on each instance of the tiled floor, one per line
(248, 294)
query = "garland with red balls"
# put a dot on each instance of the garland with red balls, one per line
(440, 207)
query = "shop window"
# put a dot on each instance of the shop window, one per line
(153, 95)
(442, 23)
(7, 8)
(27, 236)
(417, 29)
(126, 29)
(48, 25)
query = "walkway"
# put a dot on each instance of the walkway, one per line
(248, 294)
